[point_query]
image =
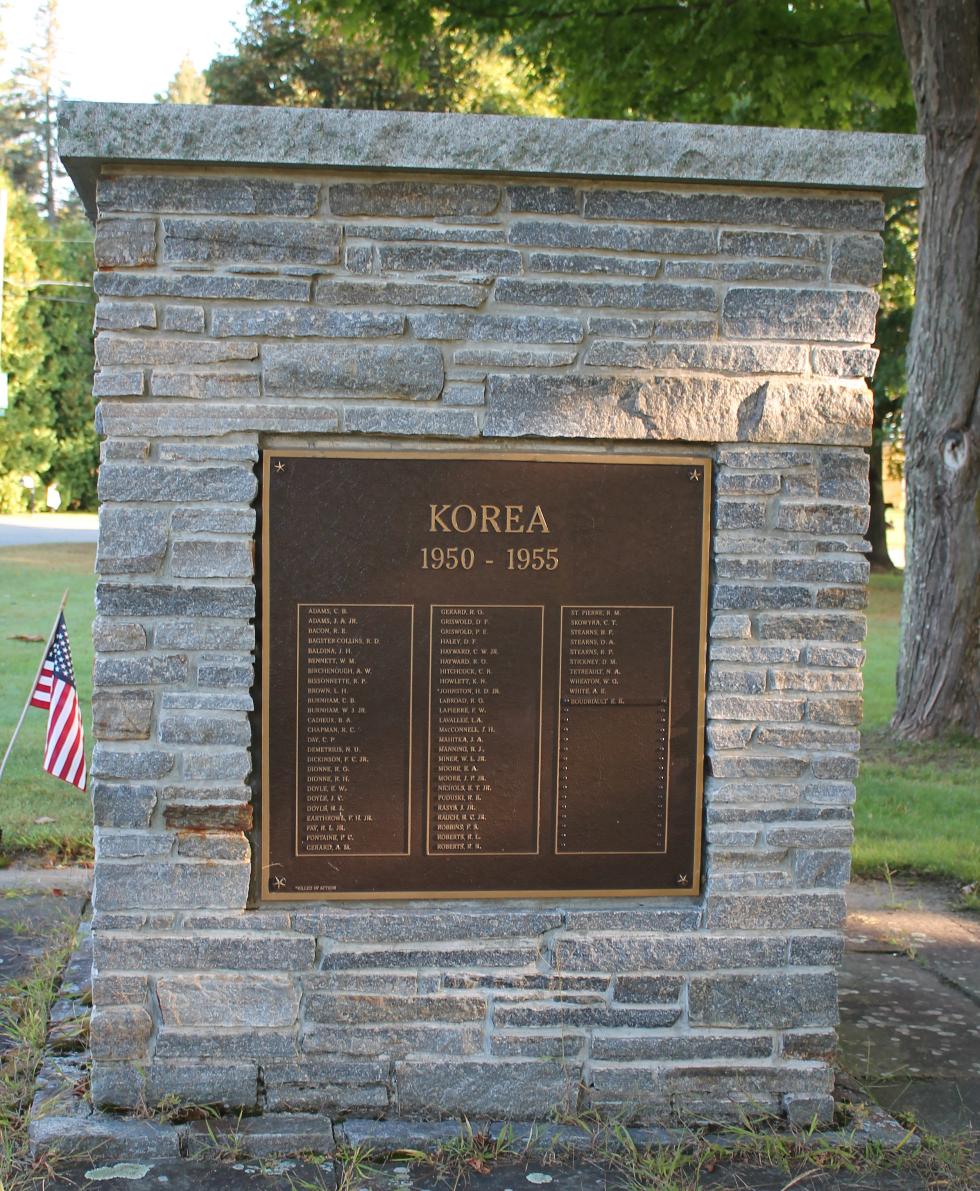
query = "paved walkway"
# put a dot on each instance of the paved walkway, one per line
(45, 529)
(910, 1003)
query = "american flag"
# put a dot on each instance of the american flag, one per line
(64, 747)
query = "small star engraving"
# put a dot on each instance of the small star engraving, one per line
(694, 475)
(682, 879)
(279, 882)
(280, 466)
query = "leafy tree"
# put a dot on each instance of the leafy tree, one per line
(286, 54)
(47, 431)
(187, 86)
(35, 91)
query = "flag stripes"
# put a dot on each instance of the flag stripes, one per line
(64, 750)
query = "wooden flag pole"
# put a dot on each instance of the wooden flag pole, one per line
(61, 608)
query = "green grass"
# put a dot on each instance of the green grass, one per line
(918, 806)
(32, 579)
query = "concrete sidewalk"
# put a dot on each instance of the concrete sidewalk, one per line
(910, 1003)
(47, 529)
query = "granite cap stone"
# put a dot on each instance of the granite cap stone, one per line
(93, 135)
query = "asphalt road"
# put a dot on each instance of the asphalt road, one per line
(42, 529)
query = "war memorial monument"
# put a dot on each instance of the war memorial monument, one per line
(481, 574)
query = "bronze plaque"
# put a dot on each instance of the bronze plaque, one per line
(482, 674)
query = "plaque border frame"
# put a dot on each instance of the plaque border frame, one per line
(558, 455)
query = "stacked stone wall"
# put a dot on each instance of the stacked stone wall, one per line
(243, 310)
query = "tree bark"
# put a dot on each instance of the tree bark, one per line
(879, 557)
(939, 662)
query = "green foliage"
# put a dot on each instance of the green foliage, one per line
(46, 350)
(818, 63)
(187, 86)
(289, 54)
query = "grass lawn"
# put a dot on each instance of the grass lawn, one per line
(32, 579)
(918, 807)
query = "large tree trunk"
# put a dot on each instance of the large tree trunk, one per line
(939, 662)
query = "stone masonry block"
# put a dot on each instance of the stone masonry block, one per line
(619, 237)
(397, 1040)
(119, 382)
(614, 952)
(252, 241)
(222, 1043)
(776, 911)
(399, 419)
(129, 242)
(260, 1000)
(590, 262)
(147, 668)
(339, 1008)
(847, 315)
(158, 482)
(545, 200)
(112, 635)
(202, 285)
(120, 1032)
(143, 763)
(811, 626)
(407, 199)
(125, 599)
(446, 258)
(824, 517)
(642, 295)
(213, 845)
(289, 322)
(124, 316)
(794, 245)
(774, 1000)
(122, 805)
(400, 293)
(211, 383)
(122, 715)
(423, 923)
(131, 540)
(692, 407)
(176, 885)
(202, 951)
(857, 260)
(207, 195)
(659, 206)
(119, 350)
(414, 371)
(210, 519)
(507, 1088)
(196, 560)
(204, 634)
(204, 729)
(506, 328)
(184, 318)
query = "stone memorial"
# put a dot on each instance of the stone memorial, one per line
(478, 649)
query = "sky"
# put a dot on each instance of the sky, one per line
(125, 50)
